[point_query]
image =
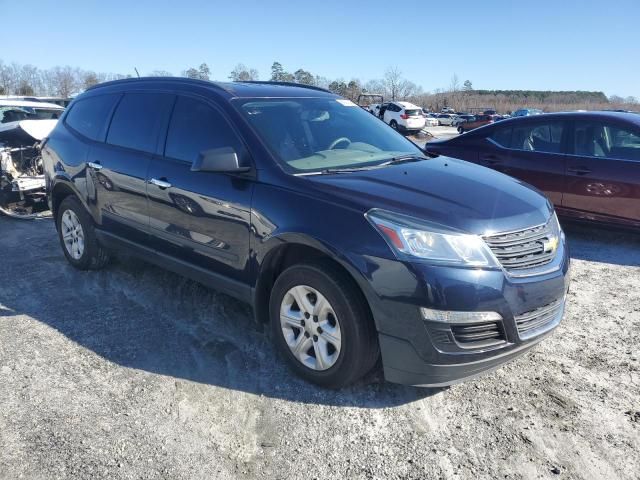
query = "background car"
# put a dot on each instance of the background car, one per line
(478, 121)
(446, 119)
(429, 119)
(374, 108)
(17, 110)
(587, 163)
(526, 112)
(404, 116)
(461, 119)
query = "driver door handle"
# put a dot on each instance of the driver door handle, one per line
(95, 165)
(160, 182)
(579, 170)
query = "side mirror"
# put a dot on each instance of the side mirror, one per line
(221, 160)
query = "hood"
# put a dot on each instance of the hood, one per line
(443, 190)
(25, 131)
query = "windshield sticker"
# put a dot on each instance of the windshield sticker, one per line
(346, 103)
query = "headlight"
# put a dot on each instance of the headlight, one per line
(409, 237)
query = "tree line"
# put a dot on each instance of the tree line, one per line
(66, 81)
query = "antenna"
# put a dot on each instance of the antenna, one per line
(136, 71)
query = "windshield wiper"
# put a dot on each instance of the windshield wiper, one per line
(404, 159)
(348, 169)
(391, 161)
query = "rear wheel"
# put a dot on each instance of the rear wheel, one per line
(460, 129)
(77, 236)
(393, 124)
(321, 325)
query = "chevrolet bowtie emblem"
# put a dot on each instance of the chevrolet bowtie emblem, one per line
(550, 244)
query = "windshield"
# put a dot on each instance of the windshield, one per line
(314, 134)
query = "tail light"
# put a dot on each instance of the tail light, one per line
(404, 116)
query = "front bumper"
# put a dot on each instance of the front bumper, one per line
(427, 353)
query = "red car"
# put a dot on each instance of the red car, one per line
(587, 163)
(478, 121)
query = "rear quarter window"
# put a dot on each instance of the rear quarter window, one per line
(89, 116)
(501, 136)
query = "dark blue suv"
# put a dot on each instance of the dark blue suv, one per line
(345, 237)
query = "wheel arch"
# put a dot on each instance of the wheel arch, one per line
(288, 250)
(60, 191)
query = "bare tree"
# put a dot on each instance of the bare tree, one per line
(65, 81)
(203, 72)
(455, 84)
(242, 74)
(89, 79)
(160, 73)
(392, 81)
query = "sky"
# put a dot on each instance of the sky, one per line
(497, 44)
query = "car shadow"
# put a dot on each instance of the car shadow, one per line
(602, 244)
(142, 317)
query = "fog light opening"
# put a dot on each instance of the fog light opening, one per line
(451, 316)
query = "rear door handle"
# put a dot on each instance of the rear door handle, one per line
(579, 170)
(491, 159)
(95, 165)
(159, 182)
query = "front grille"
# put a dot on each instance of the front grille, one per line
(536, 321)
(478, 334)
(523, 249)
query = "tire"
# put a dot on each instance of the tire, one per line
(77, 236)
(460, 130)
(393, 124)
(345, 316)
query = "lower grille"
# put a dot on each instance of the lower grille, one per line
(528, 248)
(478, 335)
(535, 322)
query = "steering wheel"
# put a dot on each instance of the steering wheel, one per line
(337, 142)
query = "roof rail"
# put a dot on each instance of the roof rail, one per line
(286, 84)
(158, 79)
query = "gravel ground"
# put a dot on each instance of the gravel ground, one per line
(133, 372)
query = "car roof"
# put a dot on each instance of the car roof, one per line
(592, 114)
(227, 90)
(28, 103)
(406, 104)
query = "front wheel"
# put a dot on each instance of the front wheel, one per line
(460, 130)
(322, 326)
(77, 236)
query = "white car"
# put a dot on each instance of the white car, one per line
(16, 110)
(431, 121)
(404, 116)
(446, 119)
(374, 108)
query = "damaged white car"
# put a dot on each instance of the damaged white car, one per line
(22, 184)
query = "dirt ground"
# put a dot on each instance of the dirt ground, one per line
(133, 372)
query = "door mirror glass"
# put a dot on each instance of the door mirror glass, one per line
(222, 160)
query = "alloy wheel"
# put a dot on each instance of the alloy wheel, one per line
(310, 327)
(72, 234)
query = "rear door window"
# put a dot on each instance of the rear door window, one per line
(89, 116)
(594, 139)
(538, 137)
(196, 127)
(138, 119)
